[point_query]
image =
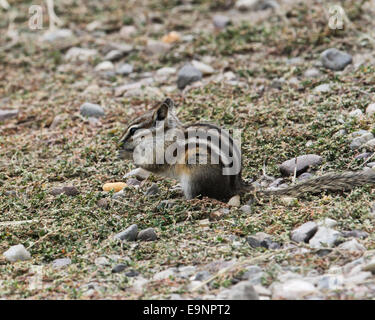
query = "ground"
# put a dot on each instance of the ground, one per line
(39, 152)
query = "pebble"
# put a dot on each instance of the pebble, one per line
(129, 234)
(187, 75)
(127, 31)
(293, 289)
(7, 114)
(371, 164)
(325, 87)
(246, 209)
(114, 55)
(369, 145)
(357, 113)
(202, 67)
(335, 60)
(253, 274)
(364, 155)
(80, 54)
(220, 21)
(132, 273)
(186, 271)
(155, 47)
(312, 73)
(327, 222)
(148, 234)
(324, 237)
(119, 268)
(124, 69)
(153, 190)
(16, 253)
(103, 203)
(370, 110)
(305, 176)
(303, 163)
(243, 291)
(330, 282)
(139, 173)
(88, 109)
(219, 214)
(370, 266)
(361, 140)
(304, 232)
(101, 261)
(261, 239)
(68, 190)
(59, 34)
(202, 275)
(278, 83)
(165, 274)
(355, 233)
(60, 263)
(234, 201)
(104, 66)
(352, 245)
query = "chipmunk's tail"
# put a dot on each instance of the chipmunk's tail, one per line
(330, 182)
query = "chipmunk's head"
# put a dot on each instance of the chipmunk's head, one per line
(145, 127)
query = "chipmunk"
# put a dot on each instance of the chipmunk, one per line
(159, 143)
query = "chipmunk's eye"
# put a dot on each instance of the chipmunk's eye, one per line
(133, 130)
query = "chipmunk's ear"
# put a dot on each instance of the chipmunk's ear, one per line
(162, 112)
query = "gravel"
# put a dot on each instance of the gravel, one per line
(130, 234)
(335, 60)
(304, 232)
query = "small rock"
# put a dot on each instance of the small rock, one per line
(242, 291)
(369, 145)
(371, 164)
(202, 67)
(234, 201)
(253, 274)
(359, 141)
(129, 234)
(7, 114)
(305, 176)
(58, 34)
(327, 222)
(80, 54)
(246, 209)
(165, 72)
(289, 201)
(119, 268)
(330, 282)
(357, 113)
(324, 237)
(114, 55)
(16, 253)
(325, 87)
(364, 155)
(370, 110)
(153, 190)
(304, 232)
(103, 203)
(219, 214)
(335, 60)
(139, 173)
(157, 47)
(104, 66)
(70, 190)
(165, 274)
(352, 245)
(56, 191)
(171, 37)
(312, 73)
(293, 289)
(148, 234)
(278, 83)
(91, 110)
(303, 163)
(60, 263)
(355, 234)
(261, 239)
(188, 74)
(101, 261)
(220, 21)
(132, 273)
(186, 271)
(127, 31)
(370, 266)
(124, 69)
(203, 275)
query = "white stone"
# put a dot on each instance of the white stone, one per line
(104, 66)
(234, 201)
(16, 253)
(293, 289)
(322, 88)
(327, 222)
(370, 110)
(324, 237)
(101, 261)
(59, 34)
(357, 113)
(352, 245)
(202, 67)
(165, 274)
(80, 54)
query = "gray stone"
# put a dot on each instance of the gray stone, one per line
(304, 232)
(165, 274)
(246, 209)
(327, 222)
(261, 239)
(59, 34)
(303, 163)
(324, 237)
(202, 275)
(187, 75)
(80, 54)
(153, 190)
(7, 114)
(253, 274)
(243, 291)
(312, 73)
(185, 272)
(101, 261)
(330, 282)
(130, 234)
(114, 55)
(124, 69)
(91, 110)
(305, 176)
(325, 87)
(220, 21)
(70, 190)
(157, 47)
(361, 140)
(335, 60)
(60, 263)
(105, 66)
(352, 245)
(293, 289)
(355, 233)
(202, 67)
(364, 155)
(16, 253)
(370, 110)
(119, 268)
(357, 113)
(148, 234)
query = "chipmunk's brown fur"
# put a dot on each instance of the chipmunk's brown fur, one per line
(207, 179)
